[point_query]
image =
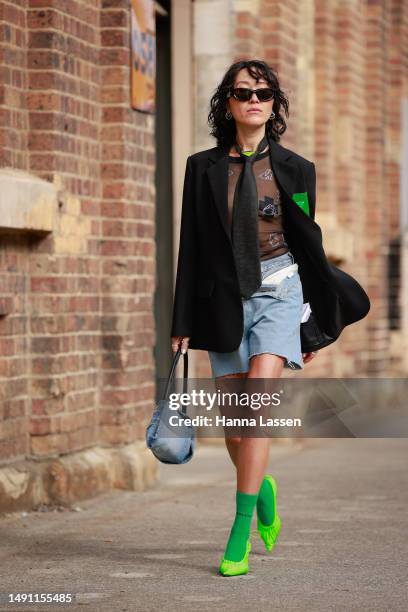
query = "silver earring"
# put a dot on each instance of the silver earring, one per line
(272, 115)
(228, 115)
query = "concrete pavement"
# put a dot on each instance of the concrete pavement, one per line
(343, 543)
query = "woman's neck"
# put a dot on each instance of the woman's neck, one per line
(248, 141)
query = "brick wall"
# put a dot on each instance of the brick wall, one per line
(77, 332)
(128, 247)
(13, 84)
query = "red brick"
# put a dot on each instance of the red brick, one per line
(114, 18)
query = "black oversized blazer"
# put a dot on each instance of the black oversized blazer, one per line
(207, 303)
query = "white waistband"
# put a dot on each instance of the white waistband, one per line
(279, 275)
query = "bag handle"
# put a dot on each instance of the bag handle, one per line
(172, 371)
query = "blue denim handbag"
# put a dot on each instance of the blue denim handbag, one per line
(171, 444)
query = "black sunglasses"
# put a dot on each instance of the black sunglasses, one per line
(243, 94)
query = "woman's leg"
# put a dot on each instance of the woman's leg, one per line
(252, 453)
(250, 456)
(231, 442)
(261, 366)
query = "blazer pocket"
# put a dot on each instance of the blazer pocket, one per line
(204, 287)
(302, 200)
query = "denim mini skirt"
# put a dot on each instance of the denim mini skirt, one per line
(272, 317)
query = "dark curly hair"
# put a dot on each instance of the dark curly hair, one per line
(224, 130)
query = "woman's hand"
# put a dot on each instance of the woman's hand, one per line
(175, 343)
(309, 356)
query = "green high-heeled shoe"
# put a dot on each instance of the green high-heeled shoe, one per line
(269, 533)
(236, 568)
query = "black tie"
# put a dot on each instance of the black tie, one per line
(245, 235)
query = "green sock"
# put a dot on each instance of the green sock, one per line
(265, 505)
(240, 530)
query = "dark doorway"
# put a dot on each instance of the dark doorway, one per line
(163, 299)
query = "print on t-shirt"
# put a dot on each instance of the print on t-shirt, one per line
(269, 207)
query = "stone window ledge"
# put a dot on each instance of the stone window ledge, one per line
(27, 202)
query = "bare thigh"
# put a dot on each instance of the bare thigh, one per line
(226, 385)
(263, 377)
(266, 365)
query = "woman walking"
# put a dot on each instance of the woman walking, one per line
(250, 260)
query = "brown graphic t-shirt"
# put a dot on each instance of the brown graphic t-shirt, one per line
(270, 219)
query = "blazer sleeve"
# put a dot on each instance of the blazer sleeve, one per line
(311, 189)
(182, 319)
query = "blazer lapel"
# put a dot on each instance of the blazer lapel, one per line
(287, 172)
(217, 174)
